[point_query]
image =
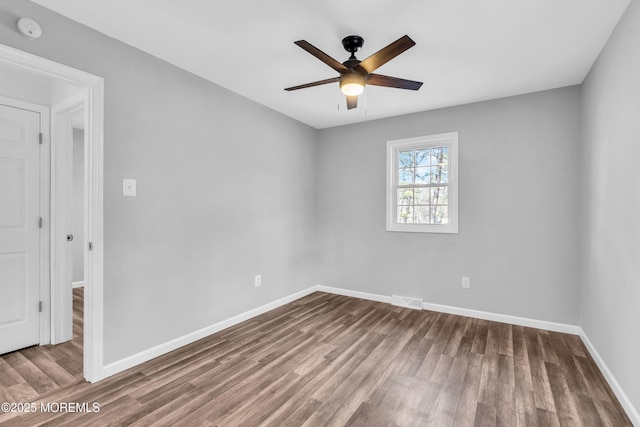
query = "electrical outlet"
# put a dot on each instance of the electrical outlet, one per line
(466, 282)
(258, 280)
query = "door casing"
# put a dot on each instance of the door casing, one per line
(61, 209)
(93, 87)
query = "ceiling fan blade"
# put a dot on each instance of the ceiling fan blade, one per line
(386, 81)
(352, 102)
(322, 56)
(386, 54)
(312, 84)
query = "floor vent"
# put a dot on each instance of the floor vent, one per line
(407, 302)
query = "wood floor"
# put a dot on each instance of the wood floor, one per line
(334, 360)
(28, 373)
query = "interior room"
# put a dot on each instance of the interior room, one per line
(201, 246)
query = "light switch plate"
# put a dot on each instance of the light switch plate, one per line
(466, 282)
(129, 187)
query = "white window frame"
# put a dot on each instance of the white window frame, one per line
(449, 140)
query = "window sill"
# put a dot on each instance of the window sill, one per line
(415, 228)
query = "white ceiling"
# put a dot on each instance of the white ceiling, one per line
(466, 51)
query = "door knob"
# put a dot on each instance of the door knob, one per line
(69, 237)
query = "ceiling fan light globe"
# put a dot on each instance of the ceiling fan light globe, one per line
(352, 89)
(352, 84)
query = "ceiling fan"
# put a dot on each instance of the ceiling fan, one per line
(355, 74)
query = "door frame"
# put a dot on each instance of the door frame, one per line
(61, 215)
(94, 153)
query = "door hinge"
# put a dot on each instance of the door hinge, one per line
(90, 246)
(40, 138)
(40, 307)
(40, 222)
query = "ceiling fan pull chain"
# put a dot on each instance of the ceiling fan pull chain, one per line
(365, 103)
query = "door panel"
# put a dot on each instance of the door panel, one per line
(19, 228)
(12, 183)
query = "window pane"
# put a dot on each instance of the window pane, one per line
(405, 159)
(405, 196)
(422, 157)
(439, 156)
(405, 214)
(422, 175)
(421, 196)
(405, 176)
(439, 174)
(423, 214)
(439, 195)
(440, 214)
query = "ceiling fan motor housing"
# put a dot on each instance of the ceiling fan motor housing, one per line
(352, 43)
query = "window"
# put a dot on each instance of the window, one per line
(422, 184)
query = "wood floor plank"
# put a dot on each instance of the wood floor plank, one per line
(250, 412)
(388, 359)
(587, 411)
(417, 404)
(31, 374)
(547, 348)
(541, 386)
(159, 413)
(466, 411)
(594, 381)
(444, 412)
(506, 412)
(455, 338)
(21, 392)
(330, 360)
(522, 367)
(505, 345)
(8, 375)
(49, 366)
(546, 418)
(480, 337)
(485, 415)
(489, 380)
(492, 346)
(297, 416)
(526, 411)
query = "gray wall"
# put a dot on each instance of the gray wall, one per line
(226, 190)
(17, 84)
(30, 87)
(518, 185)
(78, 205)
(610, 203)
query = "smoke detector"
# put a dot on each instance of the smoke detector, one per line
(29, 28)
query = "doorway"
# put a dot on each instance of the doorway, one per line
(52, 288)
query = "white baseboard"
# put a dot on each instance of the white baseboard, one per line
(77, 284)
(505, 318)
(485, 315)
(354, 294)
(138, 358)
(632, 412)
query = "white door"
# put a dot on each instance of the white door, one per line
(19, 228)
